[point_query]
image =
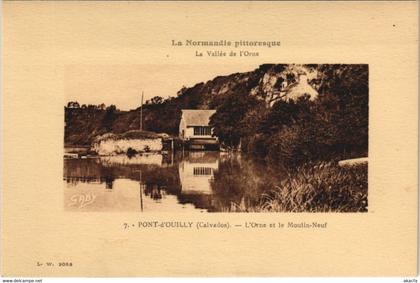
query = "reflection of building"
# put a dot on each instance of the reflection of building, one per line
(155, 192)
(196, 172)
(139, 159)
(194, 129)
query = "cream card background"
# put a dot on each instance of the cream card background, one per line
(41, 39)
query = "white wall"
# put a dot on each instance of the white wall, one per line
(113, 147)
(181, 127)
(189, 132)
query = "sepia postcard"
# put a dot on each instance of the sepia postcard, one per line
(144, 139)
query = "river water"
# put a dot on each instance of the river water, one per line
(196, 182)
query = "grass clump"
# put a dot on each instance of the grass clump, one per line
(325, 187)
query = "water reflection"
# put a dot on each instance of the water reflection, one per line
(196, 172)
(193, 182)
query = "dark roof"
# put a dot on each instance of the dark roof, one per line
(197, 117)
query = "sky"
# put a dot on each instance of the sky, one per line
(122, 85)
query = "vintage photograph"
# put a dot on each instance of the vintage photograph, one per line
(188, 139)
(274, 138)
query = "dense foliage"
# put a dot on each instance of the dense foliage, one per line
(333, 126)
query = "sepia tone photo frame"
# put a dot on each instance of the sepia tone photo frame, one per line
(181, 139)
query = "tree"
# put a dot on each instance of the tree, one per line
(73, 104)
(227, 121)
(101, 106)
(109, 117)
(349, 85)
(157, 100)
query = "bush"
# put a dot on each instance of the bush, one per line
(321, 188)
(255, 145)
(131, 152)
(285, 146)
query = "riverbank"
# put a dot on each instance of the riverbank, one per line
(325, 187)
